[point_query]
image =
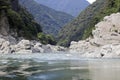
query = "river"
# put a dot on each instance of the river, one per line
(57, 67)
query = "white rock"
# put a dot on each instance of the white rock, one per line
(113, 51)
(12, 40)
(54, 49)
(38, 45)
(91, 54)
(26, 46)
(105, 41)
(4, 46)
(38, 48)
(23, 45)
(73, 42)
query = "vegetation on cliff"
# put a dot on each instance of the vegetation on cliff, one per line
(21, 23)
(50, 20)
(82, 26)
(46, 38)
(20, 20)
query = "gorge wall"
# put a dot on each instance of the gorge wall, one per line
(16, 21)
(105, 41)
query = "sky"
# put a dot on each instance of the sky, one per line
(91, 1)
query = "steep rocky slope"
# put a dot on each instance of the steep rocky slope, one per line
(16, 21)
(17, 25)
(82, 26)
(73, 7)
(51, 20)
(105, 41)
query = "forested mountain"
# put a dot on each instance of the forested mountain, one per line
(51, 20)
(82, 26)
(73, 7)
(16, 21)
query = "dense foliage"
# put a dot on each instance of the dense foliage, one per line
(82, 26)
(4, 4)
(51, 20)
(22, 23)
(46, 39)
(20, 20)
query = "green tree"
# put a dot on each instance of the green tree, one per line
(4, 4)
(46, 39)
(42, 38)
(51, 39)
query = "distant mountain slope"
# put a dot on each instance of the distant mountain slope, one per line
(73, 7)
(16, 21)
(82, 26)
(51, 20)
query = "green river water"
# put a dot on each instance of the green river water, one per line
(57, 67)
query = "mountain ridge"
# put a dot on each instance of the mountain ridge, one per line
(51, 20)
(73, 7)
(82, 26)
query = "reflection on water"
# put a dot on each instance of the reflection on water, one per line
(105, 69)
(78, 69)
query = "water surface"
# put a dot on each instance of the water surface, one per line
(57, 67)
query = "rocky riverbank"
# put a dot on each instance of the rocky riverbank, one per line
(105, 41)
(9, 44)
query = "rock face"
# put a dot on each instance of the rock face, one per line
(4, 25)
(23, 46)
(37, 48)
(4, 46)
(15, 5)
(108, 30)
(105, 41)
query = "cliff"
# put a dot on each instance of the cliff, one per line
(105, 41)
(19, 33)
(16, 21)
(81, 27)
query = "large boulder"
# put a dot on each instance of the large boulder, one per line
(23, 46)
(37, 48)
(110, 51)
(78, 47)
(53, 49)
(4, 46)
(12, 40)
(56, 48)
(81, 47)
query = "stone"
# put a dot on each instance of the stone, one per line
(38, 48)
(4, 46)
(12, 40)
(53, 49)
(105, 42)
(4, 25)
(24, 44)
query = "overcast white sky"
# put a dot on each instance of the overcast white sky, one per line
(91, 1)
